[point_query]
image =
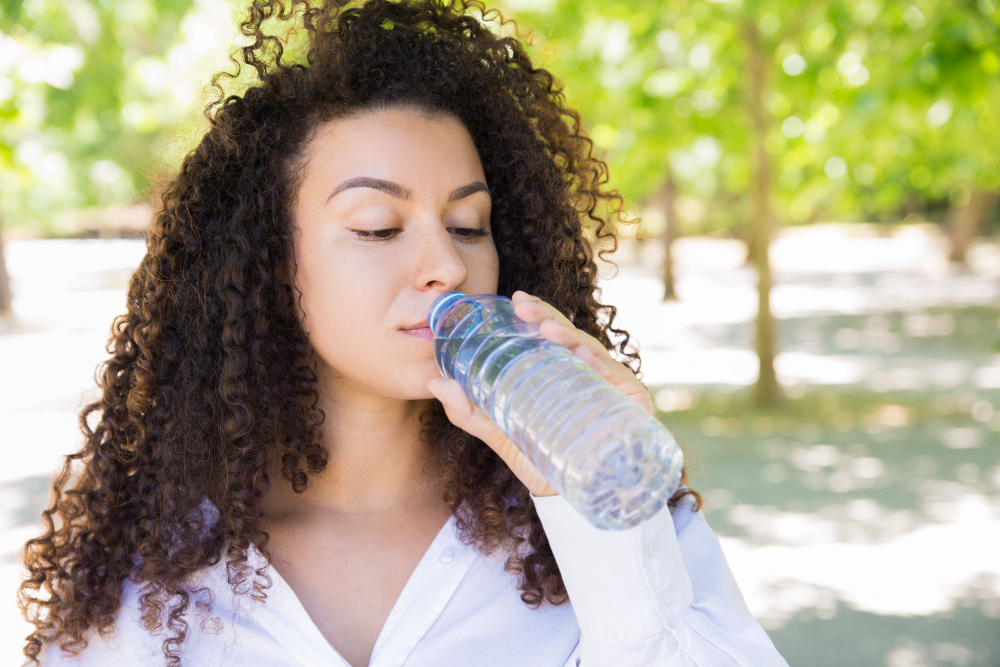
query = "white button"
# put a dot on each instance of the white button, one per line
(653, 548)
(670, 597)
(447, 555)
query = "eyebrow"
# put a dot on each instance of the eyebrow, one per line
(400, 192)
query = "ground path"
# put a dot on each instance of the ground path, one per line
(862, 526)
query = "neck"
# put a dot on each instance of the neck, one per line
(375, 457)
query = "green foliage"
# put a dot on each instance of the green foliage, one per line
(97, 96)
(874, 106)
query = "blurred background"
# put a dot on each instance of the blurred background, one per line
(814, 287)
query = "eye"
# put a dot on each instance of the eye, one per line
(467, 234)
(376, 234)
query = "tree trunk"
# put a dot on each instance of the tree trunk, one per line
(766, 391)
(748, 238)
(666, 200)
(5, 298)
(964, 223)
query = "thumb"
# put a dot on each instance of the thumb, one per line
(468, 416)
(471, 419)
(456, 404)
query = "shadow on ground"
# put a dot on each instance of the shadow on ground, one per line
(873, 640)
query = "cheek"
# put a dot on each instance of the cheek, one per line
(347, 303)
(344, 297)
(484, 271)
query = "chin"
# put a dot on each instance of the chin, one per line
(412, 381)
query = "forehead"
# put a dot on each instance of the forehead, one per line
(403, 145)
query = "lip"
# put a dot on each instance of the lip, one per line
(421, 333)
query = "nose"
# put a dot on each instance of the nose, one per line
(439, 264)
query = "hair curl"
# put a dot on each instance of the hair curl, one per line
(211, 376)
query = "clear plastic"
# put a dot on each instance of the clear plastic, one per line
(611, 460)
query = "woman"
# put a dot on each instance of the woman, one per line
(276, 473)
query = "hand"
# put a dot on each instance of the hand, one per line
(556, 327)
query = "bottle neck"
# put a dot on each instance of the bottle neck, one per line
(441, 306)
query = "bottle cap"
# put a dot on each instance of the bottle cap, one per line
(440, 306)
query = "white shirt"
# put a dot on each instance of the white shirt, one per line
(660, 593)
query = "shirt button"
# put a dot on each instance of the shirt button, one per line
(653, 548)
(670, 597)
(447, 555)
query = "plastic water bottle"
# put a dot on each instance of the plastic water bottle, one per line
(611, 460)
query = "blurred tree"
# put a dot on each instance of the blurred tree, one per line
(920, 126)
(623, 65)
(965, 221)
(730, 114)
(761, 220)
(5, 298)
(97, 95)
(664, 203)
(767, 109)
(663, 85)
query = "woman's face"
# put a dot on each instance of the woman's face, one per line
(392, 211)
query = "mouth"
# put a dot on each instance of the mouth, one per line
(421, 333)
(420, 330)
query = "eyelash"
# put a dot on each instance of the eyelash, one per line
(373, 234)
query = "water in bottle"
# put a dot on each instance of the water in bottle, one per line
(611, 460)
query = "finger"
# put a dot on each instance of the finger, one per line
(583, 346)
(532, 309)
(471, 419)
(599, 365)
(572, 338)
(555, 326)
(617, 373)
(463, 413)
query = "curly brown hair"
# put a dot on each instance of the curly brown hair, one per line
(211, 377)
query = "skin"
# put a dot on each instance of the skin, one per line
(349, 543)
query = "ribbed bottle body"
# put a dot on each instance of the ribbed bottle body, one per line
(611, 460)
